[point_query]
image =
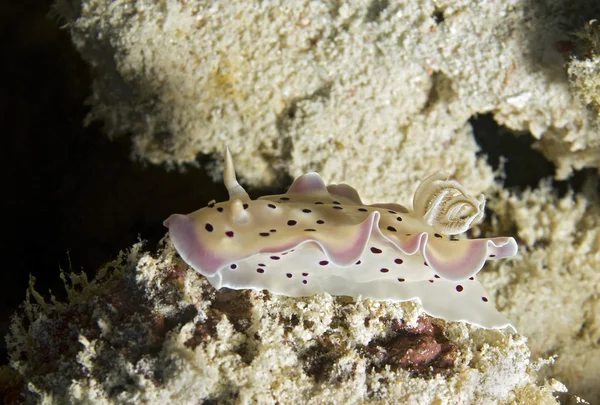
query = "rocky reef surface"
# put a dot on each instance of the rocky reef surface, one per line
(377, 94)
(150, 330)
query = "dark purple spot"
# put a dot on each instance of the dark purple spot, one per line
(384, 270)
(392, 212)
(305, 274)
(408, 234)
(245, 206)
(310, 230)
(337, 207)
(471, 278)
(229, 233)
(274, 257)
(306, 210)
(484, 299)
(431, 281)
(289, 275)
(272, 206)
(284, 198)
(209, 227)
(437, 235)
(233, 266)
(259, 270)
(425, 263)
(211, 205)
(261, 264)
(264, 234)
(398, 261)
(363, 209)
(492, 255)
(273, 230)
(459, 288)
(323, 262)
(376, 250)
(391, 229)
(436, 276)
(291, 222)
(304, 281)
(336, 202)
(319, 202)
(401, 280)
(320, 221)
(220, 209)
(399, 219)
(358, 262)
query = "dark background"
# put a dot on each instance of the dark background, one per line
(72, 199)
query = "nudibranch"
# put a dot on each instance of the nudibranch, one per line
(317, 239)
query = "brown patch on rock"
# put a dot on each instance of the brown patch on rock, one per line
(288, 323)
(176, 273)
(321, 359)
(236, 305)
(294, 320)
(204, 331)
(162, 325)
(421, 349)
(412, 351)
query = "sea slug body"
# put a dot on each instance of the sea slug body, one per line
(317, 238)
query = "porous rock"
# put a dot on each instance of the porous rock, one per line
(151, 330)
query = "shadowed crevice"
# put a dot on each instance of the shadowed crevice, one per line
(524, 166)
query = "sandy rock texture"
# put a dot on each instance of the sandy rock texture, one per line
(584, 68)
(552, 291)
(293, 86)
(150, 330)
(376, 94)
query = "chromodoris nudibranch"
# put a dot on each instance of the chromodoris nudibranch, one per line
(317, 239)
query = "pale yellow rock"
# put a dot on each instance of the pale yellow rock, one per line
(376, 94)
(365, 91)
(552, 290)
(175, 340)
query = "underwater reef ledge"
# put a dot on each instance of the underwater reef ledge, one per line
(149, 329)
